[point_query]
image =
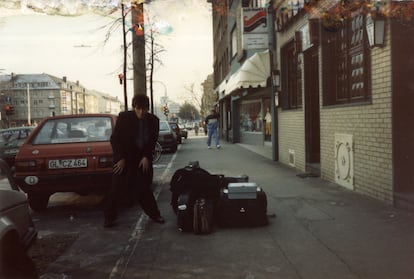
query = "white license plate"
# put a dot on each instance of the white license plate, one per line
(68, 163)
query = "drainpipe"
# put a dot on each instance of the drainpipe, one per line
(273, 111)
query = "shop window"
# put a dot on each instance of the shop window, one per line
(291, 77)
(251, 116)
(267, 119)
(346, 63)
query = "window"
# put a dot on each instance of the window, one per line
(234, 42)
(346, 63)
(255, 3)
(291, 77)
(85, 129)
(251, 116)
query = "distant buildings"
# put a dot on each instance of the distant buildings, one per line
(33, 97)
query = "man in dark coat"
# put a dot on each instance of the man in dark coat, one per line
(133, 141)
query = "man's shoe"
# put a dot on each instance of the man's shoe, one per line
(218, 146)
(109, 223)
(209, 147)
(158, 220)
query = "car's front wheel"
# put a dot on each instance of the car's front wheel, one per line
(14, 261)
(38, 202)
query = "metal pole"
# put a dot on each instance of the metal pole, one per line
(272, 44)
(29, 120)
(125, 57)
(152, 72)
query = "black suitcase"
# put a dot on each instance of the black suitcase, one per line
(203, 216)
(185, 212)
(242, 212)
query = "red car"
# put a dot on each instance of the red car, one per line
(67, 153)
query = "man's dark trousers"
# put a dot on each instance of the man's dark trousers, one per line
(133, 183)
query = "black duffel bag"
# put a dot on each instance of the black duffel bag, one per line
(194, 180)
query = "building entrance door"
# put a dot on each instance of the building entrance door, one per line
(312, 117)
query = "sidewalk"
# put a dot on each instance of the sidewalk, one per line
(321, 230)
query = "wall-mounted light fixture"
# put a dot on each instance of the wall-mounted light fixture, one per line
(376, 30)
(276, 78)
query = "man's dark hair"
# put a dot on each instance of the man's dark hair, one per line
(140, 101)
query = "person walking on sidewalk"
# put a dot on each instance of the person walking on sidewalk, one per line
(133, 141)
(212, 121)
(196, 128)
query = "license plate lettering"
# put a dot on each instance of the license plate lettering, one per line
(68, 163)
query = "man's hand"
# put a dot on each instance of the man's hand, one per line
(119, 167)
(144, 164)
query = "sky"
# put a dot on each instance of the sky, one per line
(66, 38)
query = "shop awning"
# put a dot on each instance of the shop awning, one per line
(253, 73)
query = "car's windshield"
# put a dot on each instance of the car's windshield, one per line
(10, 134)
(164, 126)
(72, 130)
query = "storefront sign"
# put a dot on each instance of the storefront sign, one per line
(255, 28)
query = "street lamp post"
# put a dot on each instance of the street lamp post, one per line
(274, 83)
(29, 117)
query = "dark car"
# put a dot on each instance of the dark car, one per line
(67, 153)
(17, 233)
(174, 126)
(10, 141)
(167, 137)
(183, 132)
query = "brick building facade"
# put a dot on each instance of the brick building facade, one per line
(343, 104)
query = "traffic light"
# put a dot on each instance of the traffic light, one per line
(166, 110)
(9, 110)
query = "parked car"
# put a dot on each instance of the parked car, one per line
(10, 141)
(174, 126)
(183, 131)
(189, 125)
(67, 153)
(17, 233)
(167, 137)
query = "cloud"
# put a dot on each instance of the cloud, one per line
(33, 42)
(64, 8)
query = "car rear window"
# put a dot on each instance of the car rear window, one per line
(164, 126)
(75, 129)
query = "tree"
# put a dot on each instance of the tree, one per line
(139, 39)
(191, 96)
(189, 112)
(209, 97)
(154, 49)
